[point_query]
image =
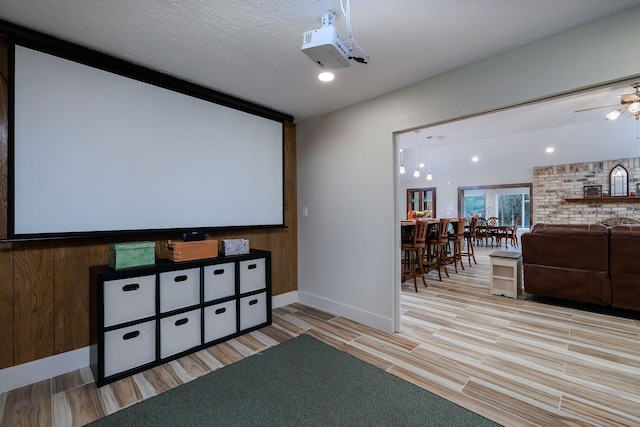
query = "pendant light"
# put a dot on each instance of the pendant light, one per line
(429, 176)
(416, 174)
(402, 169)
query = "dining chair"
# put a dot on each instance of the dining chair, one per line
(482, 233)
(436, 253)
(414, 250)
(509, 234)
(470, 237)
(492, 229)
(456, 240)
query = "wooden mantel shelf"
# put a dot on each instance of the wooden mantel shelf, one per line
(628, 199)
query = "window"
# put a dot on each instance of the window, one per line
(512, 205)
(422, 200)
(475, 205)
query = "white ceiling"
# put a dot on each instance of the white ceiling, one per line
(515, 139)
(534, 117)
(252, 49)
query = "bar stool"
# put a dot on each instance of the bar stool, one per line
(414, 253)
(470, 237)
(437, 241)
(456, 239)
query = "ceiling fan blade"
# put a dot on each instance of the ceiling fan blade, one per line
(597, 108)
(632, 97)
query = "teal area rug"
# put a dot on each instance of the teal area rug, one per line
(301, 382)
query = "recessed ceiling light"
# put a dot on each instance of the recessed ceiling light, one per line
(474, 159)
(421, 165)
(549, 150)
(326, 76)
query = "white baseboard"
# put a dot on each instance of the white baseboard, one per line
(352, 313)
(49, 367)
(284, 299)
(42, 369)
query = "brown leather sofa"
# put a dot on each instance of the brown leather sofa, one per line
(589, 263)
(567, 261)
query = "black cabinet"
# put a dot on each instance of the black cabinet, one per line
(142, 317)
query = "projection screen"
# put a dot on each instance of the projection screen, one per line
(95, 152)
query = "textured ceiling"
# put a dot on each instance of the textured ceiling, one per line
(252, 49)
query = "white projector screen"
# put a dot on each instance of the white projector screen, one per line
(94, 151)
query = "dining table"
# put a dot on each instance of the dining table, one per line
(495, 231)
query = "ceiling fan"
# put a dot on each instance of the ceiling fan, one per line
(629, 103)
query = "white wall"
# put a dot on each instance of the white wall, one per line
(348, 244)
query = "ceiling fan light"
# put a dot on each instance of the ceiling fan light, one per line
(613, 115)
(634, 108)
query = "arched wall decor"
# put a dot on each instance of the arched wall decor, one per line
(618, 181)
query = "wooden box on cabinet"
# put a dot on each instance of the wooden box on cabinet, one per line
(142, 317)
(188, 251)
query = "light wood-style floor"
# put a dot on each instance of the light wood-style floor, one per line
(517, 362)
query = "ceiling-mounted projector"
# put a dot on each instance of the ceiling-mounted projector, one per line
(326, 47)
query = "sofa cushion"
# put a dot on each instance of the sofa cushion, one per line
(577, 246)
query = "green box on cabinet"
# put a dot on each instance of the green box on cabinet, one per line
(132, 254)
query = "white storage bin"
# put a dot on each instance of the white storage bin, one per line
(220, 321)
(253, 310)
(129, 347)
(252, 275)
(219, 281)
(129, 299)
(180, 288)
(179, 332)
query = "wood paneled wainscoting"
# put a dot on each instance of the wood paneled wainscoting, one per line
(44, 286)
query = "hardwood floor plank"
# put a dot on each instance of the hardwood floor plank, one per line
(208, 360)
(288, 323)
(225, 353)
(253, 341)
(452, 350)
(28, 406)
(627, 344)
(607, 357)
(600, 415)
(539, 330)
(329, 328)
(532, 412)
(77, 407)
(277, 335)
(396, 340)
(162, 378)
(310, 311)
(619, 383)
(120, 394)
(193, 365)
(71, 380)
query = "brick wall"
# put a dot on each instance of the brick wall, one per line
(553, 184)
